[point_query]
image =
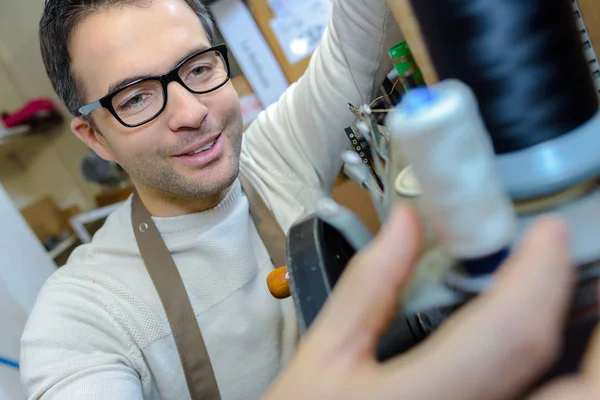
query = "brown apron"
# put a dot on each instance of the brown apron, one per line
(194, 357)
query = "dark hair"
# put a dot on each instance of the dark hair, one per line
(60, 18)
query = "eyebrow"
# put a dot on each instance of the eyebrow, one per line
(124, 82)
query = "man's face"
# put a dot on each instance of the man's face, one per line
(133, 41)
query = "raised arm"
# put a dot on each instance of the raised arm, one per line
(69, 350)
(301, 137)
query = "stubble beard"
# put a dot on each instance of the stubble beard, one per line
(162, 178)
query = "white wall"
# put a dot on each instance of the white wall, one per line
(24, 267)
(13, 321)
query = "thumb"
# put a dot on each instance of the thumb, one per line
(366, 296)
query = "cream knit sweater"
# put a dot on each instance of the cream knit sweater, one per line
(98, 330)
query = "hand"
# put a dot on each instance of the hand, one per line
(493, 348)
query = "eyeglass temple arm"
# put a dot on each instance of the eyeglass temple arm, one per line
(88, 108)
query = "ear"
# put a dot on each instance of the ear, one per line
(93, 139)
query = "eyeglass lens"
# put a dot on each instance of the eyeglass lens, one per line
(142, 102)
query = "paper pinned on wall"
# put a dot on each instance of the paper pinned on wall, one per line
(283, 8)
(250, 49)
(299, 27)
(251, 107)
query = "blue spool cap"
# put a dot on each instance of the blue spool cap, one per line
(418, 99)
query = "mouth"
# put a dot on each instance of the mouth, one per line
(203, 153)
(200, 148)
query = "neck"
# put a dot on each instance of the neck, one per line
(162, 205)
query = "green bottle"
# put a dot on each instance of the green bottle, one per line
(408, 70)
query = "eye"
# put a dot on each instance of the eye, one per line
(135, 101)
(199, 70)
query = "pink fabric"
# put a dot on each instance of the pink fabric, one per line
(28, 111)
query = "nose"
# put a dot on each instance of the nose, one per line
(185, 110)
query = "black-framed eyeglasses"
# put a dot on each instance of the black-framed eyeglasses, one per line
(141, 101)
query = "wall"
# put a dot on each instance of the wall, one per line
(24, 267)
(10, 385)
(53, 168)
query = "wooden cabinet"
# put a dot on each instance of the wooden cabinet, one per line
(590, 11)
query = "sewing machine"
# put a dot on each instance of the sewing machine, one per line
(513, 182)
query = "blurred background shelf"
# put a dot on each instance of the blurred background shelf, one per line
(62, 247)
(17, 143)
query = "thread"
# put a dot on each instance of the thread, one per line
(523, 60)
(389, 94)
(439, 132)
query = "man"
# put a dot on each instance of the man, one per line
(98, 329)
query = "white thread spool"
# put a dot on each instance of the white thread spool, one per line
(440, 133)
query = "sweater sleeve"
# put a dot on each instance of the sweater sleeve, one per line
(71, 349)
(301, 137)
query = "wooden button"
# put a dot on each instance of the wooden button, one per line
(278, 283)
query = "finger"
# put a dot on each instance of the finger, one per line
(585, 385)
(566, 388)
(591, 361)
(366, 296)
(499, 342)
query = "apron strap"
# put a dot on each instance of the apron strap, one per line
(195, 360)
(267, 226)
(197, 368)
